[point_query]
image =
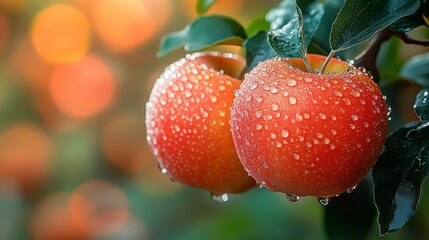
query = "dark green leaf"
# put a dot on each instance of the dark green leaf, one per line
(352, 223)
(359, 20)
(259, 24)
(204, 32)
(288, 41)
(257, 49)
(422, 104)
(204, 5)
(408, 23)
(312, 16)
(416, 69)
(399, 173)
(281, 15)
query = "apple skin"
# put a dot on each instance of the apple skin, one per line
(308, 134)
(187, 122)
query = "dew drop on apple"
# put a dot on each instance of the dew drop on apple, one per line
(291, 82)
(352, 126)
(350, 190)
(292, 197)
(253, 85)
(354, 117)
(258, 114)
(296, 156)
(275, 107)
(274, 90)
(292, 100)
(285, 133)
(322, 116)
(219, 197)
(324, 200)
(258, 126)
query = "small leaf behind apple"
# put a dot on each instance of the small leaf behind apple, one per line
(204, 5)
(421, 105)
(257, 49)
(204, 32)
(416, 70)
(399, 173)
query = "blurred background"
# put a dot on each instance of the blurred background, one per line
(74, 162)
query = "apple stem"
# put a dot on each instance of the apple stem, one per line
(307, 64)
(328, 58)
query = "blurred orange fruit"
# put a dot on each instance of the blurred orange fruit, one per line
(123, 25)
(60, 33)
(52, 220)
(25, 156)
(99, 207)
(84, 88)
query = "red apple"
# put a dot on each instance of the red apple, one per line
(308, 134)
(187, 122)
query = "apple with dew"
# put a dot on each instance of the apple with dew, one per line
(187, 119)
(308, 134)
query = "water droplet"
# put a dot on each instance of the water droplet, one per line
(258, 126)
(292, 197)
(285, 133)
(274, 90)
(322, 116)
(354, 117)
(222, 87)
(213, 98)
(247, 97)
(219, 197)
(299, 117)
(347, 101)
(331, 146)
(323, 200)
(326, 140)
(258, 99)
(355, 93)
(278, 144)
(296, 156)
(265, 165)
(307, 80)
(338, 93)
(352, 126)
(306, 115)
(292, 100)
(291, 82)
(273, 135)
(334, 118)
(274, 107)
(222, 113)
(365, 124)
(258, 114)
(253, 85)
(350, 190)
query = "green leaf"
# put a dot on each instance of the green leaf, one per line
(257, 49)
(399, 173)
(352, 223)
(204, 32)
(204, 5)
(290, 28)
(421, 105)
(408, 23)
(359, 20)
(312, 15)
(288, 41)
(416, 69)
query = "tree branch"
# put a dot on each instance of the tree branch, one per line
(368, 58)
(404, 37)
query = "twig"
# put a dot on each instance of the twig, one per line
(368, 57)
(404, 37)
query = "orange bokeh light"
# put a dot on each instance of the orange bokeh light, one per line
(84, 88)
(60, 33)
(123, 25)
(99, 207)
(52, 220)
(25, 156)
(13, 5)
